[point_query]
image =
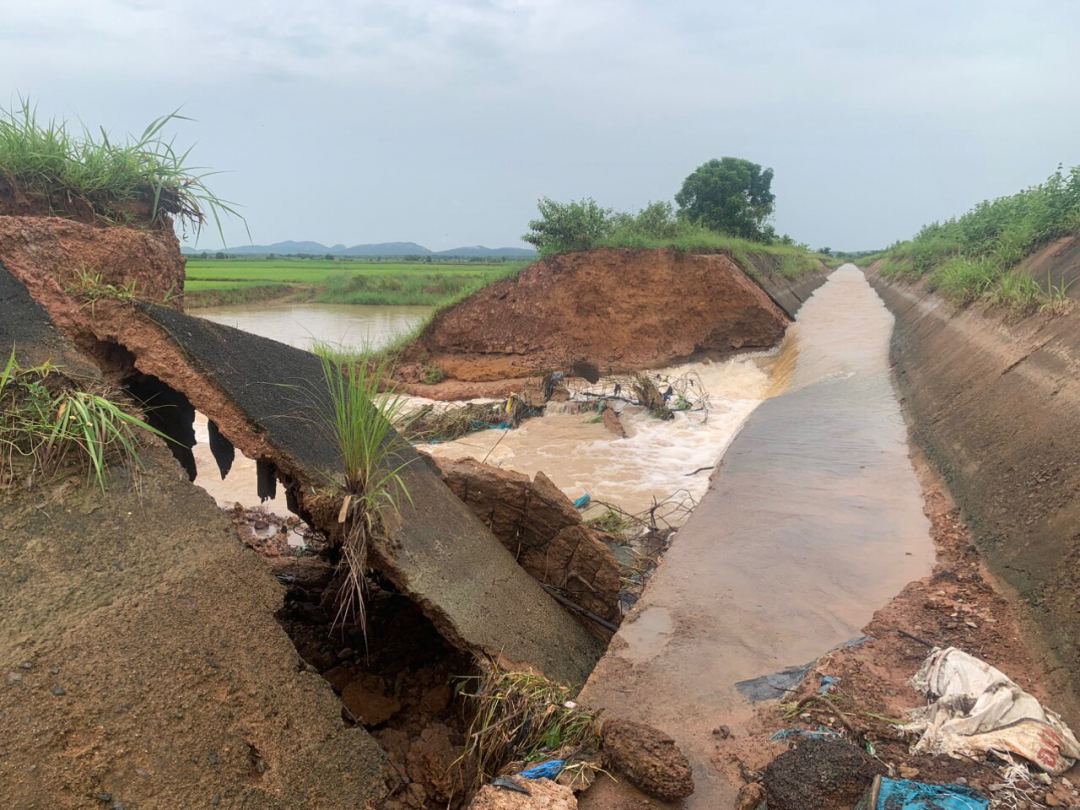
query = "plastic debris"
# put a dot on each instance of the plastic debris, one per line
(826, 682)
(506, 783)
(545, 770)
(821, 733)
(902, 794)
(582, 501)
(977, 709)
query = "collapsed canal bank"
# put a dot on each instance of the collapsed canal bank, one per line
(443, 585)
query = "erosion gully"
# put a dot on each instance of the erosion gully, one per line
(812, 521)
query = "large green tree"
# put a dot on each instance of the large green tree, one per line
(730, 195)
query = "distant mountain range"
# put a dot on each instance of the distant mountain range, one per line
(291, 248)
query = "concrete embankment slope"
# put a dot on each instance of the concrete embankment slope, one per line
(995, 405)
(814, 520)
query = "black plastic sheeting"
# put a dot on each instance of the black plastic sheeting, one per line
(777, 684)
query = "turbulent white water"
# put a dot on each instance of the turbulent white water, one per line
(656, 458)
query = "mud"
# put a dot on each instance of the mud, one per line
(49, 254)
(989, 398)
(624, 309)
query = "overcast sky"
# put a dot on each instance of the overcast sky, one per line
(442, 122)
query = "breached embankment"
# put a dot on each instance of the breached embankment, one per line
(612, 308)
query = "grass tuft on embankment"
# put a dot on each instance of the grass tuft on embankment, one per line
(980, 254)
(50, 423)
(68, 169)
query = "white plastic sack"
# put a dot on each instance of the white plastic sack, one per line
(977, 709)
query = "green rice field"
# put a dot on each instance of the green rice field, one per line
(210, 282)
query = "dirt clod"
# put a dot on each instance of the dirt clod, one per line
(543, 795)
(819, 775)
(649, 759)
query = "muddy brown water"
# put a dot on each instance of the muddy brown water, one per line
(813, 520)
(652, 464)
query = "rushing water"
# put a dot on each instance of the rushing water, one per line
(657, 460)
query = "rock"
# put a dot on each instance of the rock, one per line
(819, 775)
(541, 527)
(648, 758)
(436, 700)
(58, 690)
(431, 762)
(14, 677)
(544, 795)
(612, 422)
(751, 795)
(339, 677)
(370, 708)
(907, 772)
(723, 732)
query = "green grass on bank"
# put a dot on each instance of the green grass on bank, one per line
(980, 254)
(71, 170)
(210, 282)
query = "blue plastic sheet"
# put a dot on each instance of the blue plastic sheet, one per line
(545, 770)
(584, 499)
(822, 733)
(903, 794)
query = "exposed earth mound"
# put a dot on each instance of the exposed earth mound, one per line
(614, 308)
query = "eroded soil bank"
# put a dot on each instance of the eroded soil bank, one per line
(612, 308)
(814, 519)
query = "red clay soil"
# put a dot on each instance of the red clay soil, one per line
(615, 308)
(48, 255)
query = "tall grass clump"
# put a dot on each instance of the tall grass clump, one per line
(358, 419)
(69, 167)
(521, 717)
(45, 420)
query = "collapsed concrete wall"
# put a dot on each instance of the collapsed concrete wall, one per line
(130, 676)
(269, 401)
(539, 525)
(994, 406)
(613, 308)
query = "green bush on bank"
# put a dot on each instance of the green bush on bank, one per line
(977, 253)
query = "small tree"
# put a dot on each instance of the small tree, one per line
(730, 195)
(566, 227)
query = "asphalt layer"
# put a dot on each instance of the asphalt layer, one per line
(26, 326)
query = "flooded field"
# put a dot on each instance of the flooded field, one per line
(338, 324)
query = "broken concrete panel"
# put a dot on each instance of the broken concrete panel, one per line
(439, 553)
(26, 327)
(540, 526)
(122, 617)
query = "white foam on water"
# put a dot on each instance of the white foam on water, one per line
(656, 458)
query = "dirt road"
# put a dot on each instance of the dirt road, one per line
(814, 519)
